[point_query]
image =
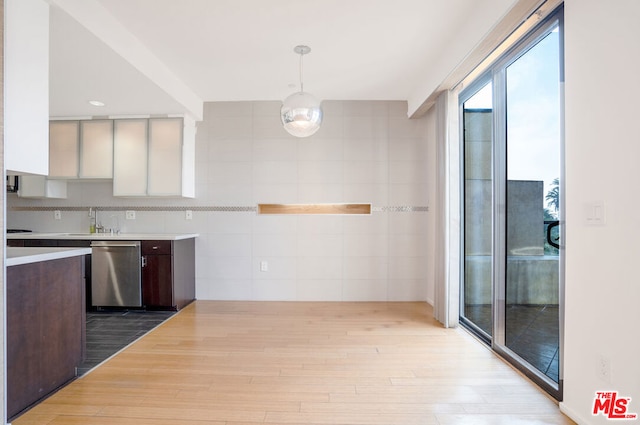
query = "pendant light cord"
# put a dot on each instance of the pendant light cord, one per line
(301, 83)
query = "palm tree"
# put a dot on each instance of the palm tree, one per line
(553, 196)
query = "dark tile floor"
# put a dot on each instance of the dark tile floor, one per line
(532, 333)
(110, 331)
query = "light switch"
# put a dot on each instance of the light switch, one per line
(188, 215)
(130, 215)
(595, 213)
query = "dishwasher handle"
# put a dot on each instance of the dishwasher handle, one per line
(114, 244)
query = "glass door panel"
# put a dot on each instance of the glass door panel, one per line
(533, 167)
(512, 205)
(477, 117)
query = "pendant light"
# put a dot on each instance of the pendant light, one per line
(301, 113)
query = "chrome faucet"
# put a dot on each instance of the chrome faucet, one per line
(99, 226)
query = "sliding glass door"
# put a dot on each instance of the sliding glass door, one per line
(533, 171)
(513, 218)
(477, 118)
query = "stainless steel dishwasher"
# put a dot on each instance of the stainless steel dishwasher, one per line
(115, 274)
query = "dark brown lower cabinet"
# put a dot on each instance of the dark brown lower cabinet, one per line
(45, 328)
(168, 273)
(157, 278)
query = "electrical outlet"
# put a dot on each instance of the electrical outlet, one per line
(188, 215)
(264, 266)
(130, 215)
(57, 214)
(604, 368)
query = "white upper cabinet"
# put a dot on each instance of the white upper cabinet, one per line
(143, 156)
(81, 149)
(154, 157)
(130, 157)
(165, 157)
(41, 187)
(96, 149)
(26, 86)
(63, 149)
(189, 158)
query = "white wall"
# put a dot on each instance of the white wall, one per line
(365, 152)
(602, 154)
(2, 222)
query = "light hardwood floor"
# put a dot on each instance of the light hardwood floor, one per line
(249, 363)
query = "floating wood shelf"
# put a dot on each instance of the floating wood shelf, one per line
(314, 209)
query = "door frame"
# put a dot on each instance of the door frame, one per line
(496, 74)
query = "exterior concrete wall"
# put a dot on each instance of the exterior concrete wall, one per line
(525, 218)
(532, 277)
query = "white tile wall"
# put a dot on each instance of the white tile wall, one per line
(275, 225)
(279, 268)
(275, 245)
(228, 150)
(370, 268)
(230, 172)
(318, 149)
(321, 193)
(310, 225)
(274, 290)
(321, 172)
(319, 246)
(226, 290)
(319, 289)
(275, 193)
(275, 150)
(367, 288)
(365, 152)
(320, 268)
(366, 172)
(368, 225)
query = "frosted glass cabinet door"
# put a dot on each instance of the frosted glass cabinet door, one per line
(165, 157)
(130, 157)
(63, 149)
(96, 149)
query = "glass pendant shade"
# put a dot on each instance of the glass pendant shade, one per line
(301, 114)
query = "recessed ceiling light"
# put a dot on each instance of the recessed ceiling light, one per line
(96, 103)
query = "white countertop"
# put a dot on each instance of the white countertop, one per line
(105, 236)
(18, 256)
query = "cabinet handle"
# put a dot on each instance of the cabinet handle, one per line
(155, 247)
(144, 261)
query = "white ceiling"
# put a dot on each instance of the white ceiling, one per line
(166, 56)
